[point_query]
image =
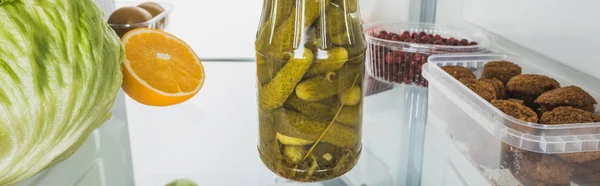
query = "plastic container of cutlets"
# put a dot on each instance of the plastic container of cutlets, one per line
(506, 150)
(159, 21)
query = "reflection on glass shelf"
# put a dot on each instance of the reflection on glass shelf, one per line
(104, 159)
(369, 171)
(394, 128)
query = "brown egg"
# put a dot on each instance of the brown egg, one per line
(155, 9)
(152, 7)
(128, 15)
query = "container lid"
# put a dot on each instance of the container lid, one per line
(458, 32)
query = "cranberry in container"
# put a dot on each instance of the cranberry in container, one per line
(397, 51)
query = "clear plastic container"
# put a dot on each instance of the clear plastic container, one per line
(505, 150)
(159, 21)
(397, 61)
(310, 63)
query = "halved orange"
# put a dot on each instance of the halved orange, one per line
(159, 68)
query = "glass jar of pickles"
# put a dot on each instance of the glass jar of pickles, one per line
(310, 67)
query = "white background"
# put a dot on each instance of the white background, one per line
(567, 31)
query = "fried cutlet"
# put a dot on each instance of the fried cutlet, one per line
(528, 87)
(566, 115)
(567, 96)
(499, 86)
(482, 88)
(459, 72)
(501, 70)
(516, 110)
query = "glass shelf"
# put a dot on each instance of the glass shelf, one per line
(163, 150)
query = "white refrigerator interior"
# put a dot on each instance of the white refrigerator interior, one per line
(565, 31)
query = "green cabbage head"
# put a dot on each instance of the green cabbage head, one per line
(60, 70)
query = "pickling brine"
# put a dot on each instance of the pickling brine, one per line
(310, 70)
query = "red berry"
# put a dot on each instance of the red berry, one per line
(413, 64)
(414, 35)
(407, 33)
(389, 36)
(389, 58)
(463, 42)
(452, 41)
(404, 37)
(382, 35)
(418, 40)
(396, 38)
(473, 43)
(437, 37)
(422, 34)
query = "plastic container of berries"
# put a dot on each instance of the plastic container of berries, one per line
(397, 50)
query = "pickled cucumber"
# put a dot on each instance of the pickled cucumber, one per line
(358, 45)
(287, 37)
(275, 93)
(294, 154)
(267, 129)
(323, 86)
(286, 140)
(351, 6)
(296, 125)
(311, 40)
(279, 11)
(350, 115)
(313, 10)
(331, 60)
(351, 97)
(267, 69)
(282, 11)
(321, 110)
(322, 41)
(337, 25)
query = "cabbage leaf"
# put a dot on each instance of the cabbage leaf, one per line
(60, 70)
